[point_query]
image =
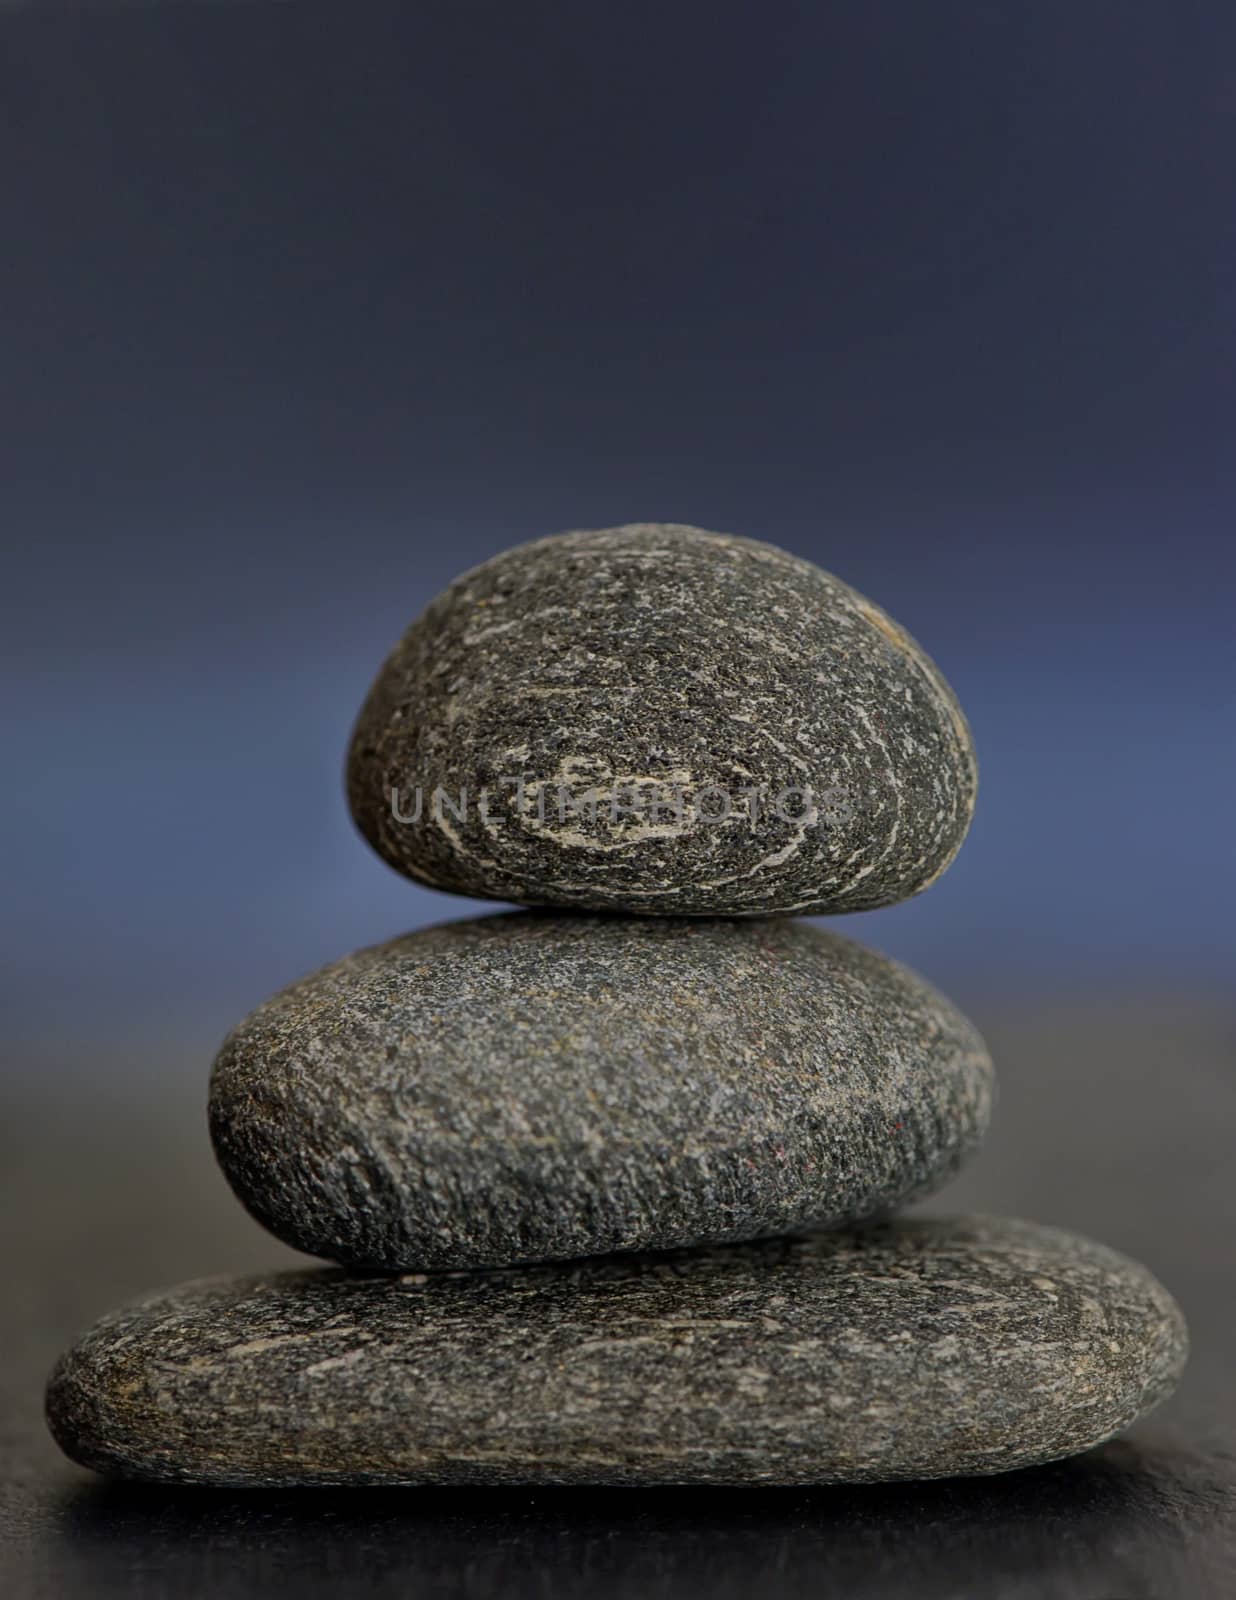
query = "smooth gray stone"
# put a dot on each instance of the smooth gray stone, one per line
(657, 661)
(526, 1087)
(916, 1349)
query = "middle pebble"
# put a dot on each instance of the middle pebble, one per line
(524, 1087)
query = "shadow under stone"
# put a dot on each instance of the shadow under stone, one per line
(1134, 1520)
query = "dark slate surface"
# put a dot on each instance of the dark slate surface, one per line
(1117, 1123)
(531, 1087)
(659, 659)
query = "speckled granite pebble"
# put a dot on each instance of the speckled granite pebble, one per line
(683, 680)
(527, 1087)
(909, 1350)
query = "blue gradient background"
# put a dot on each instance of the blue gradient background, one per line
(308, 307)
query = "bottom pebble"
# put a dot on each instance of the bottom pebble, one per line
(912, 1349)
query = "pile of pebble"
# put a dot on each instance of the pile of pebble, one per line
(611, 1181)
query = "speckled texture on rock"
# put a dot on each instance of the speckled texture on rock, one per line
(528, 1086)
(914, 1349)
(657, 659)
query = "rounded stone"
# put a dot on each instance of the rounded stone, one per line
(527, 1087)
(664, 721)
(917, 1349)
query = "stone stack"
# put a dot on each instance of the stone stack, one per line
(610, 1181)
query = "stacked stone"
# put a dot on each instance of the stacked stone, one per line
(611, 1181)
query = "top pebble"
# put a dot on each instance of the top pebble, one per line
(659, 720)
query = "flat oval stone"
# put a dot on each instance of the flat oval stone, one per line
(659, 720)
(526, 1087)
(917, 1349)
